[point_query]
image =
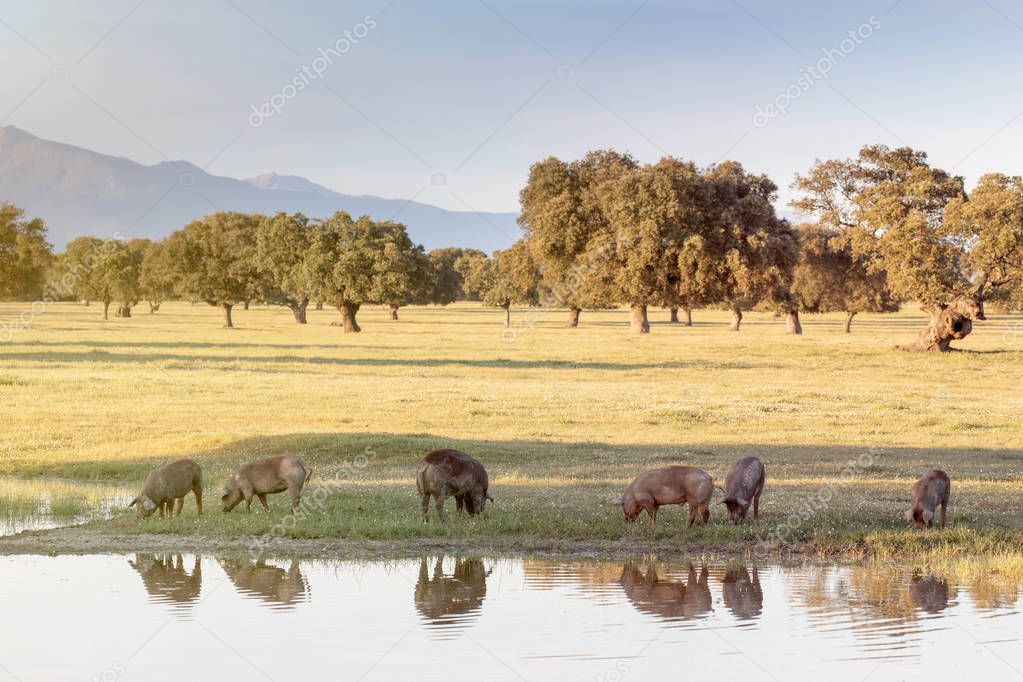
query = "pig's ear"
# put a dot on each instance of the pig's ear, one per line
(489, 497)
(928, 515)
(742, 502)
(133, 502)
(620, 500)
(148, 504)
(909, 514)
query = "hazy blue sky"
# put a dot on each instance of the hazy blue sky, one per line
(472, 89)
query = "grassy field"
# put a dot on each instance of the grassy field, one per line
(562, 418)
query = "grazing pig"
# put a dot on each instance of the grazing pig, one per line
(743, 485)
(930, 491)
(447, 472)
(668, 485)
(267, 476)
(169, 483)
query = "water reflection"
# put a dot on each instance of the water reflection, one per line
(667, 597)
(450, 602)
(280, 588)
(167, 580)
(742, 593)
(928, 593)
(542, 618)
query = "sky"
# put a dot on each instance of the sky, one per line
(451, 101)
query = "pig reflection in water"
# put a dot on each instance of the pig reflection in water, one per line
(742, 594)
(441, 599)
(928, 593)
(668, 598)
(266, 582)
(166, 579)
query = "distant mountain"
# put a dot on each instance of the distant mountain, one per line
(77, 191)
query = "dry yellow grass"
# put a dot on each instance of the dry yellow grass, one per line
(577, 411)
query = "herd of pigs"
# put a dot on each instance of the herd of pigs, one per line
(448, 473)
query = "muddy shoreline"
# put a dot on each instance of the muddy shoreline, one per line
(73, 540)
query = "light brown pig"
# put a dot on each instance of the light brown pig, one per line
(262, 478)
(669, 485)
(743, 485)
(446, 472)
(169, 483)
(929, 492)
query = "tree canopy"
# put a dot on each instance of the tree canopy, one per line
(25, 255)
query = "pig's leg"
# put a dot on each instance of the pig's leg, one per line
(459, 502)
(179, 504)
(439, 498)
(296, 499)
(424, 502)
(262, 499)
(692, 515)
(247, 493)
(943, 505)
(705, 512)
(160, 508)
(651, 512)
(756, 504)
(197, 491)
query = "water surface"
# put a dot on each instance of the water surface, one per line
(173, 617)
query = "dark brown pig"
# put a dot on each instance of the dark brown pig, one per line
(743, 486)
(265, 477)
(668, 485)
(930, 491)
(169, 483)
(446, 472)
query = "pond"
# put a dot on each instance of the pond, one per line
(175, 617)
(50, 503)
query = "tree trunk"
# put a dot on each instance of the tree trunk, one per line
(736, 319)
(674, 316)
(507, 314)
(638, 322)
(245, 306)
(298, 309)
(153, 307)
(124, 311)
(227, 315)
(393, 312)
(792, 325)
(106, 310)
(573, 317)
(348, 322)
(848, 322)
(689, 316)
(948, 323)
(86, 303)
(319, 305)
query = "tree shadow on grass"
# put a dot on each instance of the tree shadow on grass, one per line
(101, 356)
(369, 455)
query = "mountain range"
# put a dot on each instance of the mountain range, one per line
(78, 191)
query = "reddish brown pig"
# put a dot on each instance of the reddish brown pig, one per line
(669, 485)
(169, 483)
(743, 486)
(929, 492)
(446, 472)
(265, 477)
